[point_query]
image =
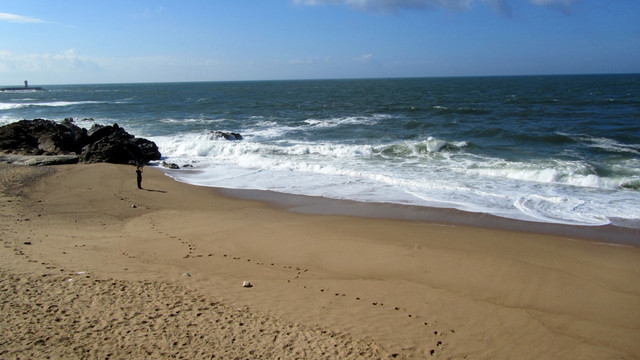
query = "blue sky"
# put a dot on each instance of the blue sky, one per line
(70, 42)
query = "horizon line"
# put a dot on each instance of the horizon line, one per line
(331, 79)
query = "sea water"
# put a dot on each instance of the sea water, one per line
(558, 149)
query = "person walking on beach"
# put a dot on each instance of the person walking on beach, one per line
(139, 176)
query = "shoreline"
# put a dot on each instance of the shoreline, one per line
(314, 205)
(169, 262)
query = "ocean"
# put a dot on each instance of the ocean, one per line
(553, 149)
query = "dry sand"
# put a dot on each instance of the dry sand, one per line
(85, 274)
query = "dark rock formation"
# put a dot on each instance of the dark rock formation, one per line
(100, 144)
(170, 165)
(38, 160)
(51, 160)
(42, 137)
(226, 135)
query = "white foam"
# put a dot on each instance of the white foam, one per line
(11, 106)
(607, 144)
(559, 209)
(349, 120)
(432, 172)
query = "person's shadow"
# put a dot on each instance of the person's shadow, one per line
(160, 191)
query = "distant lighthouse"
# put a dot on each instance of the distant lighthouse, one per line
(26, 87)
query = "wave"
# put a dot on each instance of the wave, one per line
(4, 120)
(559, 209)
(205, 145)
(429, 146)
(602, 143)
(569, 173)
(444, 110)
(348, 120)
(452, 157)
(11, 106)
(432, 172)
(610, 145)
(181, 121)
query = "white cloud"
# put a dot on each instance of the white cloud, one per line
(70, 67)
(553, 2)
(18, 18)
(300, 61)
(309, 60)
(365, 57)
(502, 6)
(67, 61)
(564, 5)
(148, 13)
(391, 5)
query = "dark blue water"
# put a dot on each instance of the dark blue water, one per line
(560, 149)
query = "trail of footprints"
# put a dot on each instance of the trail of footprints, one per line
(190, 248)
(191, 252)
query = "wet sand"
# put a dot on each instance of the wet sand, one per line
(95, 268)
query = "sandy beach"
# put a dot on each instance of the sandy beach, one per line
(94, 268)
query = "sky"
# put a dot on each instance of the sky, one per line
(122, 41)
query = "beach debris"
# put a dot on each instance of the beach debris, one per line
(27, 242)
(134, 206)
(186, 274)
(246, 284)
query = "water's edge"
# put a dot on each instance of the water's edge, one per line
(313, 205)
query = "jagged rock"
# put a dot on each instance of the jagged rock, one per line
(149, 149)
(116, 150)
(97, 132)
(42, 137)
(100, 144)
(51, 160)
(226, 135)
(170, 165)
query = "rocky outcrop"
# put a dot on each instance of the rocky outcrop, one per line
(226, 135)
(171, 166)
(113, 144)
(99, 144)
(38, 160)
(42, 137)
